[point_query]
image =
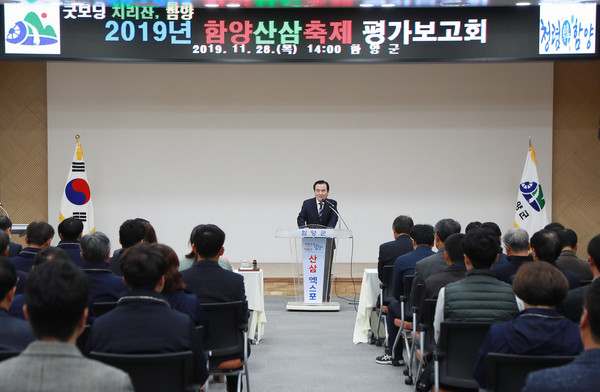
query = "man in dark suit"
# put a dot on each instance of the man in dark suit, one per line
(210, 282)
(318, 211)
(584, 372)
(568, 257)
(455, 257)
(38, 236)
(546, 246)
(70, 231)
(6, 226)
(105, 286)
(143, 321)
(402, 244)
(571, 307)
(15, 334)
(516, 243)
(404, 265)
(131, 232)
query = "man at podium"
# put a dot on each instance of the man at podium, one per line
(319, 211)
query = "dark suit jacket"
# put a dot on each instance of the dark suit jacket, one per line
(390, 251)
(104, 285)
(115, 267)
(568, 260)
(213, 284)
(15, 334)
(24, 260)
(14, 249)
(580, 375)
(73, 250)
(504, 272)
(143, 322)
(434, 283)
(427, 267)
(309, 214)
(405, 266)
(572, 306)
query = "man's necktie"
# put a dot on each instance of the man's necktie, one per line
(320, 210)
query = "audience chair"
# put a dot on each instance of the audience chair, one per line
(8, 354)
(415, 304)
(385, 297)
(426, 335)
(227, 347)
(508, 372)
(163, 372)
(101, 308)
(456, 354)
(403, 333)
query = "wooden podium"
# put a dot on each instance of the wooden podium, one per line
(313, 250)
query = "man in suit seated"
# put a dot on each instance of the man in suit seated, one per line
(404, 265)
(15, 334)
(546, 246)
(105, 286)
(57, 295)
(568, 258)
(210, 282)
(455, 257)
(318, 211)
(6, 226)
(516, 243)
(39, 235)
(4, 251)
(143, 321)
(131, 232)
(402, 244)
(584, 372)
(70, 231)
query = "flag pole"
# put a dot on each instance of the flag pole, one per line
(529, 141)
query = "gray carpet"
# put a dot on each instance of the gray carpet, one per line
(313, 351)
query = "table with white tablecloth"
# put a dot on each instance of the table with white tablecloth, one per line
(255, 294)
(369, 291)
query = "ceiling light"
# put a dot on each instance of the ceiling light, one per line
(388, 5)
(523, 4)
(211, 5)
(366, 5)
(233, 5)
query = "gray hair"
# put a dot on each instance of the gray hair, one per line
(446, 227)
(516, 239)
(95, 246)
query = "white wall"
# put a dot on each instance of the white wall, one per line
(240, 145)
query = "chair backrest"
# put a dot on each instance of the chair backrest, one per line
(408, 283)
(153, 372)
(426, 316)
(227, 322)
(8, 354)
(101, 308)
(507, 372)
(460, 342)
(387, 285)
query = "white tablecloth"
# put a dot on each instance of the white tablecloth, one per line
(369, 291)
(255, 294)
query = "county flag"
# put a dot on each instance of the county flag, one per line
(531, 209)
(77, 199)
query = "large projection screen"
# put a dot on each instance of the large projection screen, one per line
(241, 145)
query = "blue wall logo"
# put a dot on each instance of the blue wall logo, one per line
(31, 29)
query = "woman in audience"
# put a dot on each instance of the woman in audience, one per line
(176, 295)
(539, 329)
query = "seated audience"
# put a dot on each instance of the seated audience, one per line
(211, 283)
(455, 257)
(568, 259)
(584, 372)
(402, 244)
(56, 298)
(6, 226)
(15, 334)
(436, 263)
(143, 321)
(545, 246)
(39, 235)
(4, 251)
(70, 231)
(539, 329)
(422, 239)
(189, 259)
(131, 232)
(479, 296)
(554, 226)
(572, 306)
(104, 285)
(46, 254)
(174, 290)
(516, 243)
(150, 235)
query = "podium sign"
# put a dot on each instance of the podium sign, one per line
(313, 258)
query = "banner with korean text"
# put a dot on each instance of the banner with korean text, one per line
(313, 262)
(531, 209)
(77, 198)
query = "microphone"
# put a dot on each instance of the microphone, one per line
(333, 208)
